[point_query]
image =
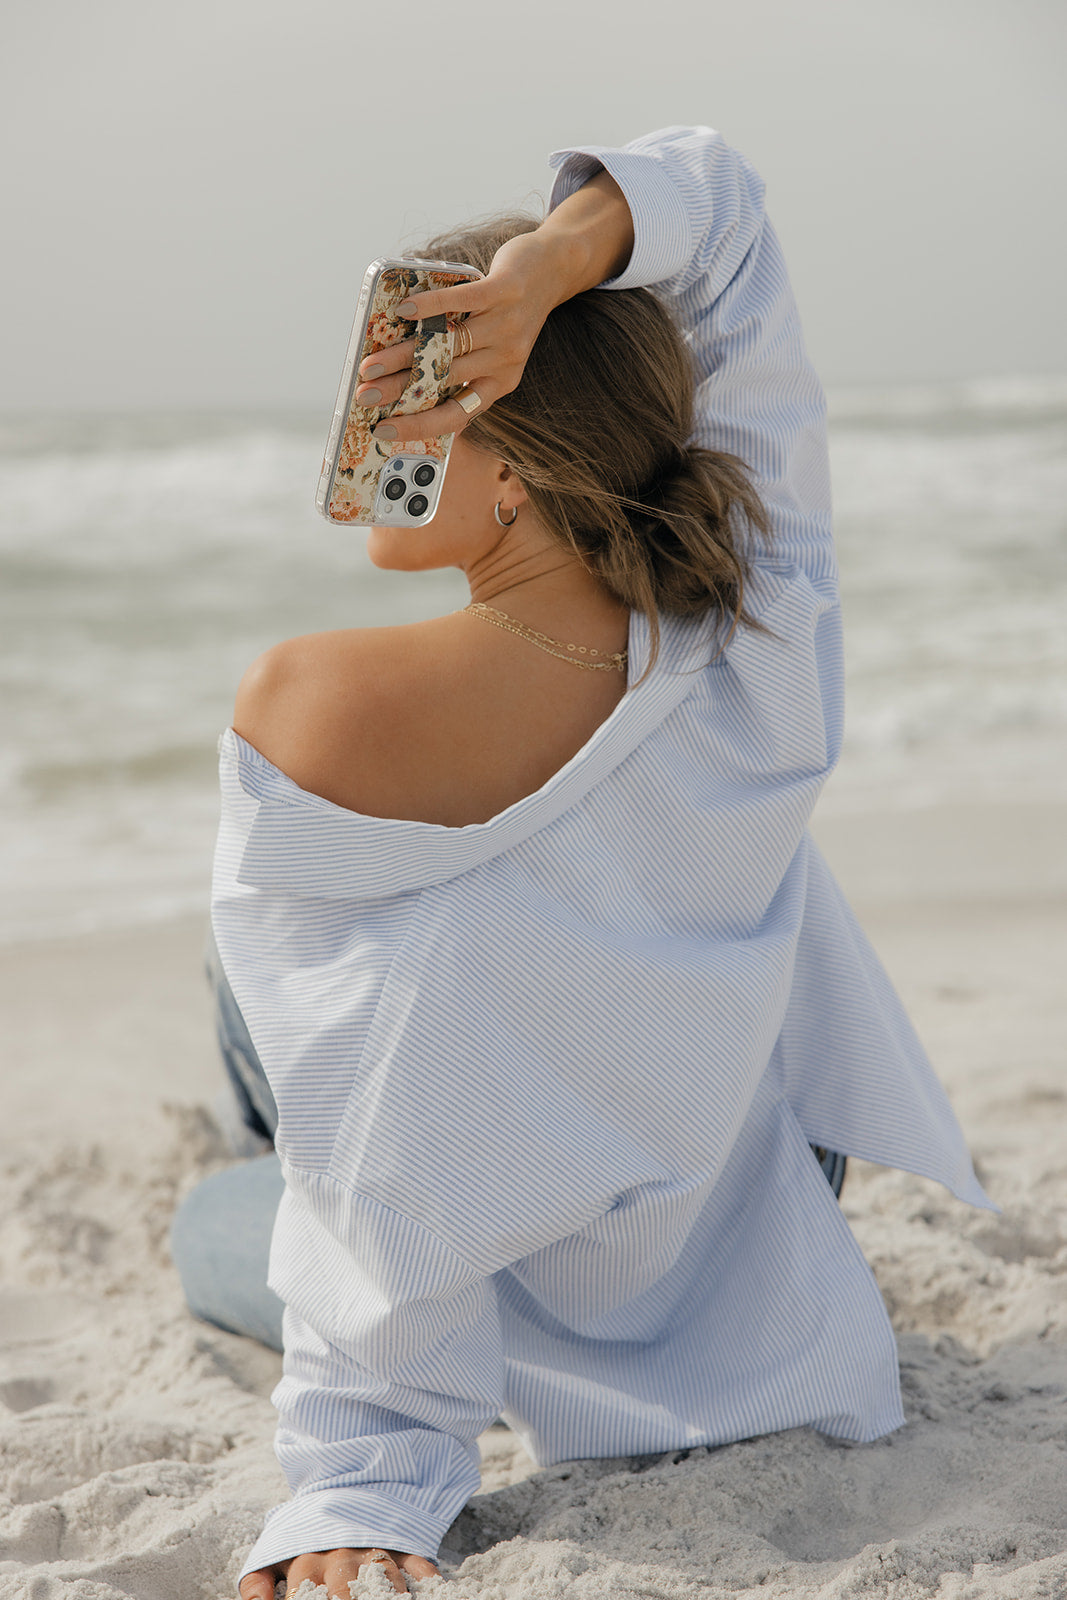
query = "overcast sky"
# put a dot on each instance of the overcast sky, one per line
(192, 191)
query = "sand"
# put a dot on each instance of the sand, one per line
(135, 1455)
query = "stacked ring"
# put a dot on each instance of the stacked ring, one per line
(466, 339)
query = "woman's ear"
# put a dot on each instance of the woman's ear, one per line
(511, 488)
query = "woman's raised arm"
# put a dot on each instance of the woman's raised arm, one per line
(704, 245)
(679, 212)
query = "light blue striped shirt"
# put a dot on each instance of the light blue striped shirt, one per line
(546, 1084)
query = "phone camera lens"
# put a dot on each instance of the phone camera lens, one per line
(424, 475)
(395, 489)
(416, 505)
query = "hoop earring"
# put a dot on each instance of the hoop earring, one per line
(500, 521)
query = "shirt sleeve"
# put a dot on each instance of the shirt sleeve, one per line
(703, 244)
(393, 1367)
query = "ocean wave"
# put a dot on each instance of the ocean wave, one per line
(1013, 399)
(65, 434)
(140, 507)
(167, 767)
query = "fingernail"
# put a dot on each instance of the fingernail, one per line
(369, 397)
(372, 372)
(407, 308)
(384, 431)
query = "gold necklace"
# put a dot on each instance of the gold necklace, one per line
(615, 662)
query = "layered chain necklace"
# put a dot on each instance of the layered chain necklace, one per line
(578, 655)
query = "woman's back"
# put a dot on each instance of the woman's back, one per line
(448, 721)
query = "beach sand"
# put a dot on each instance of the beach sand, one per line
(136, 1443)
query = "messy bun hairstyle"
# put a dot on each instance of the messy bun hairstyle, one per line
(597, 430)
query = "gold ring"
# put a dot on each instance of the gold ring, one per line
(376, 1557)
(461, 331)
(470, 400)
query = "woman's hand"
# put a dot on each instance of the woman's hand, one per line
(506, 311)
(588, 238)
(336, 1569)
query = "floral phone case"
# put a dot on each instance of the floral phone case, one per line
(365, 480)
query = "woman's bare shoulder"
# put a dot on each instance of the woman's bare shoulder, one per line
(324, 705)
(443, 722)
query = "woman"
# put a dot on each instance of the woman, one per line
(553, 990)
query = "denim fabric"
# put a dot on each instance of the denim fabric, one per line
(220, 1241)
(220, 1237)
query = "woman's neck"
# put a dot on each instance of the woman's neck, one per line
(545, 586)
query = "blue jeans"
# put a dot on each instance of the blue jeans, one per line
(220, 1237)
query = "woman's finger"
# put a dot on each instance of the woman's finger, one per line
(335, 1569)
(393, 358)
(398, 357)
(384, 375)
(301, 1567)
(342, 1567)
(259, 1585)
(449, 417)
(473, 296)
(418, 1567)
(386, 391)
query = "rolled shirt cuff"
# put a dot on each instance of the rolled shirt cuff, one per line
(336, 1519)
(663, 230)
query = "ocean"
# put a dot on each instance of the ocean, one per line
(147, 559)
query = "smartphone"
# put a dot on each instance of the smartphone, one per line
(366, 480)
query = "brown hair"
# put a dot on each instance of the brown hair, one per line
(598, 429)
